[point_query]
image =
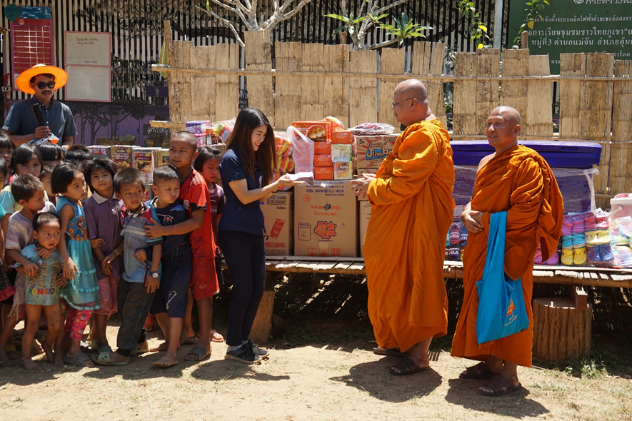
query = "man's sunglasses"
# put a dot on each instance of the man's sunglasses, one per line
(42, 85)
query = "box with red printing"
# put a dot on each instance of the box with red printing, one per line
(342, 137)
(372, 150)
(322, 148)
(323, 160)
(278, 217)
(315, 130)
(323, 173)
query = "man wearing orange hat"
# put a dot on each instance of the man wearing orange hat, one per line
(21, 124)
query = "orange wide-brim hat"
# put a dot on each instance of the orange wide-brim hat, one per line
(23, 82)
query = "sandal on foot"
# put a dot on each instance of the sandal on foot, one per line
(104, 357)
(405, 367)
(188, 340)
(78, 361)
(477, 372)
(139, 349)
(200, 352)
(393, 352)
(216, 337)
(500, 386)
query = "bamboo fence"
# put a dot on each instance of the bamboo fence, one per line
(312, 81)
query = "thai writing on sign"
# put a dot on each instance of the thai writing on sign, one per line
(577, 26)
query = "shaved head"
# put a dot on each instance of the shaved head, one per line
(412, 88)
(509, 114)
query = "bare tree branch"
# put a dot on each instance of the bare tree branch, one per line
(232, 9)
(293, 12)
(225, 22)
(388, 6)
(384, 44)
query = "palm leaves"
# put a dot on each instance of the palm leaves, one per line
(405, 28)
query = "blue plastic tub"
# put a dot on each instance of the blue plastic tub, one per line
(559, 154)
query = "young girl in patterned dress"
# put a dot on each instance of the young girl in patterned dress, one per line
(82, 290)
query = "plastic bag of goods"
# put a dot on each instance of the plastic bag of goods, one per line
(372, 129)
(285, 158)
(337, 124)
(303, 154)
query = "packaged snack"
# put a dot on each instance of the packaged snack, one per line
(315, 130)
(162, 157)
(323, 173)
(372, 129)
(100, 151)
(322, 160)
(342, 137)
(337, 124)
(122, 156)
(144, 162)
(343, 170)
(341, 153)
(322, 148)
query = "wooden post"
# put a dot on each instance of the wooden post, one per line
(262, 326)
(560, 330)
(579, 297)
(524, 40)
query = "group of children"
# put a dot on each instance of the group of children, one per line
(77, 256)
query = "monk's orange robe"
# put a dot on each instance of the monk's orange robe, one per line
(404, 246)
(520, 182)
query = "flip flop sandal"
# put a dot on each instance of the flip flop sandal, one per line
(602, 222)
(478, 372)
(603, 237)
(500, 386)
(454, 254)
(592, 238)
(567, 242)
(579, 256)
(593, 255)
(567, 257)
(219, 338)
(567, 227)
(590, 219)
(538, 257)
(104, 357)
(392, 352)
(605, 251)
(139, 349)
(579, 240)
(406, 367)
(198, 351)
(554, 260)
(77, 361)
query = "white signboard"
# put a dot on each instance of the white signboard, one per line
(88, 48)
(86, 83)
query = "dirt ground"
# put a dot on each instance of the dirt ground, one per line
(321, 368)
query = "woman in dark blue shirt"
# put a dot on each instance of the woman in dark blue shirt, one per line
(246, 170)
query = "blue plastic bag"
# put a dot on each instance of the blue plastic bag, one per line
(501, 307)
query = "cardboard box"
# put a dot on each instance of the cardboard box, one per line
(326, 220)
(371, 150)
(365, 215)
(161, 157)
(315, 130)
(323, 173)
(342, 137)
(322, 148)
(122, 156)
(100, 151)
(144, 161)
(323, 160)
(341, 153)
(278, 215)
(343, 170)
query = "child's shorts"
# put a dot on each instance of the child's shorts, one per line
(171, 297)
(203, 278)
(108, 288)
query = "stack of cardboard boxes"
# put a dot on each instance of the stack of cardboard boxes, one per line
(370, 153)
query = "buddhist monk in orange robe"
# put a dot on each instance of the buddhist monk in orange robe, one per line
(518, 180)
(404, 248)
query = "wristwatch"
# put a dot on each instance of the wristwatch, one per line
(154, 274)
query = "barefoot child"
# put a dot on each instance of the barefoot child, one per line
(82, 290)
(207, 164)
(194, 196)
(141, 257)
(42, 289)
(170, 302)
(103, 216)
(29, 193)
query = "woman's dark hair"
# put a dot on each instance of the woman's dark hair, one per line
(104, 164)
(6, 143)
(44, 218)
(62, 177)
(205, 153)
(127, 176)
(51, 151)
(3, 167)
(22, 155)
(248, 120)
